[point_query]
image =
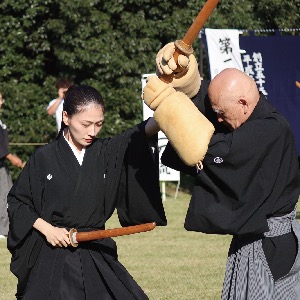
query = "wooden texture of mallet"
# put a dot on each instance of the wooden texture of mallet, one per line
(184, 46)
(78, 237)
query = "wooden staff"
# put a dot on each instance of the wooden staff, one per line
(77, 237)
(184, 46)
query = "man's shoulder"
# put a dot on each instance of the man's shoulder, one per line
(267, 131)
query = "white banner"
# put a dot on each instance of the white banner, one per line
(223, 50)
(165, 173)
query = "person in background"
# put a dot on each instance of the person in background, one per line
(5, 179)
(55, 106)
(77, 182)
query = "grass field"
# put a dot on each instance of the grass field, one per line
(168, 262)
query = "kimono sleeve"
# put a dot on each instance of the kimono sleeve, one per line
(139, 192)
(22, 203)
(171, 159)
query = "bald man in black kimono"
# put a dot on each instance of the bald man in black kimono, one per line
(249, 184)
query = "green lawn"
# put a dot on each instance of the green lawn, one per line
(171, 263)
(168, 262)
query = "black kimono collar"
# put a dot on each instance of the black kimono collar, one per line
(68, 158)
(262, 109)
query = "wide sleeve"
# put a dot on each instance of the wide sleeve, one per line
(22, 203)
(244, 178)
(171, 159)
(139, 198)
(24, 207)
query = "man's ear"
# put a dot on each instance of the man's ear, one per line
(245, 105)
(65, 118)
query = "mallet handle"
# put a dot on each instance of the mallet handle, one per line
(184, 46)
(77, 237)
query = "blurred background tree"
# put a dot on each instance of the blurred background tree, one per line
(106, 44)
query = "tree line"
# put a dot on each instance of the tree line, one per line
(106, 44)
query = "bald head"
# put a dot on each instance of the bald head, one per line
(233, 96)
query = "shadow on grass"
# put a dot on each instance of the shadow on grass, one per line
(298, 215)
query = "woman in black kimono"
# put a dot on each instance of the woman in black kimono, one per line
(77, 181)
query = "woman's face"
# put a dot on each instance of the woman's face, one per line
(84, 126)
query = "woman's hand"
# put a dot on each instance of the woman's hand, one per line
(56, 236)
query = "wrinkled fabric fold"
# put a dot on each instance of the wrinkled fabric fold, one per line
(248, 275)
(91, 271)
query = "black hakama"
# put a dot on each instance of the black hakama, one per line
(91, 271)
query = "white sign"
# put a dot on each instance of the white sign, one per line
(223, 50)
(165, 173)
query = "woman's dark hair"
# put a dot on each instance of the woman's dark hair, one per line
(77, 98)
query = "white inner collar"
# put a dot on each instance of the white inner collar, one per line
(79, 156)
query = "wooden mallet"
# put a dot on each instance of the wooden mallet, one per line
(184, 46)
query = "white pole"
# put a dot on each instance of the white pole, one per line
(163, 190)
(177, 188)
